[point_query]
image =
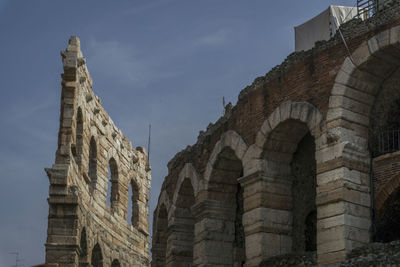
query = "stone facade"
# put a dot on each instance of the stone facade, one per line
(94, 170)
(288, 169)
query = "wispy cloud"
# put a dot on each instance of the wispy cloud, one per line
(145, 6)
(123, 64)
(217, 38)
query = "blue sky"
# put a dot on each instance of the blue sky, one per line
(164, 62)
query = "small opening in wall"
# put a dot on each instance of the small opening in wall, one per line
(78, 136)
(112, 187)
(133, 204)
(97, 256)
(115, 263)
(92, 166)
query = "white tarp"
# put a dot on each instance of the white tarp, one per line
(322, 27)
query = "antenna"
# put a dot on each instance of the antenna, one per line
(17, 259)
(148, 144)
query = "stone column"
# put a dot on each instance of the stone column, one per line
(214, 233)
(267, 218)
(343, 193)
(180, 242)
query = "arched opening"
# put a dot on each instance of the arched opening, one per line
(112, 187)
(92, 166)
(310, 231)
(181, 238)
(384, 130)
(133, 204)
(97, 256)
(304, 191)
(224, 188)
(77, 151)
(290, 153)
(115, 263)
(83, 252)
(160, 236)
(388, 219)
(354, 107)
(384, 144)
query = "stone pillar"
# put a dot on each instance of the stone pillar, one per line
(62, 234)
(267, 218)
(343, 194)
(180, 242)
(214, 233)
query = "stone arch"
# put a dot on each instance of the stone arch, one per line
(219, 215)
(302, 112)
(344, 157)
(113, 183)
(97, 256)
(271, 166)
(229, 139)
(164, 200)
(298, 111)
(160, 236)
(181, 237)
(189, 172)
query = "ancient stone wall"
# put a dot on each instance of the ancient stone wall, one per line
(326, 94)
(86, 226)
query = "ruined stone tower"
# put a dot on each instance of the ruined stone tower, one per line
(94, 170)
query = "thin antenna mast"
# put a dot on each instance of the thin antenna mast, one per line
(148, 144)
(16, 258)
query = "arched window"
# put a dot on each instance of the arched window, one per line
(115, 263)
(133, 204)
(78, 136)
(97, 256)
(112, 189)
(83, 249)
(92, 166)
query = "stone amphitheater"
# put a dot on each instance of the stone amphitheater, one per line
(303, 171)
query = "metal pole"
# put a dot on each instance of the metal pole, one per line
(148, 144)
(16, 258)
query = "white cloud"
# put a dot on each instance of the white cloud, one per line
(217, 38)
(123, 64)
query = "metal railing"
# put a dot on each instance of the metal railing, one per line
(389, 141)
(367, 8)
